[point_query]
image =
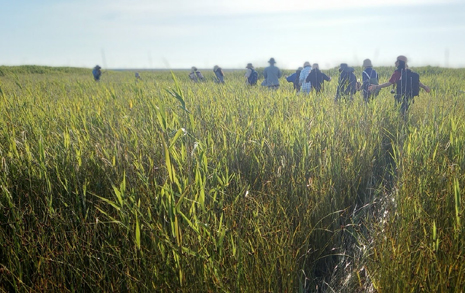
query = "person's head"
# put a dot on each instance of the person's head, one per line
(249, 66)
(98, 67)
(272, 61)
(300, 68)
(215, 68)
(306, 64)
(401, 62)
(194, 68)
(367, 63)
(315, 66)
(342, 67)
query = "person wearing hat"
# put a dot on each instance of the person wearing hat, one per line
(96, 72)
(305, 86)
(251, 76)
(396, 80)
(347, 83)
(196, 75)
(369, 77)
(219, 74)
(272, 75)
(294, 78)
(316, 78)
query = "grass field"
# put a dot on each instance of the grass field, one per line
(164, 185)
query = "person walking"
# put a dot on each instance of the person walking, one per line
(369, 77)
(305, 85)
(196, 75)
(219, 74)
(406, 82)
(347, 83)
(96, 72)
(294, 78)
(251, 76)
(272, 75)
(316, 78)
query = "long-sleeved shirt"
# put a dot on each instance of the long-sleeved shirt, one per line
(316, 78)
(306, 86)
(272, 75)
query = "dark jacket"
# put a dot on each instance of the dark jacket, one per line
(369, 77)
(317, 78)
(348, 81)
(219, 75)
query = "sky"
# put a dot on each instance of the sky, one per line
(174, 34)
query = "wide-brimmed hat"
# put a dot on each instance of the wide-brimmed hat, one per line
(249, 65)
(342, 66)
(402, 58)
(349, 69)
(367, 63)
(306, 64)
(271, 61)
(315, 66)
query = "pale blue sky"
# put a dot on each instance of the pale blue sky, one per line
(203, 33)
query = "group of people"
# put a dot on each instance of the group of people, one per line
(304, 79)
(307, 78)
(348, 84)
(406, 83)
(196, 76)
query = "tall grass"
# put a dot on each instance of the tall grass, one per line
(165, 185)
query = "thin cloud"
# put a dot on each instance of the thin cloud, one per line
(147, 9)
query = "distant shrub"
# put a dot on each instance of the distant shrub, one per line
(35, 69)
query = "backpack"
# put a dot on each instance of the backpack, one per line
(200, 75)
(252, 79)
(371, 81)
(192, 76)
(409, 84)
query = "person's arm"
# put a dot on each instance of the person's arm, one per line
(325, 77)
(425, 87)
(392, 81)
(373, 88)
(386, 84)
(291, 77)
(247, 75)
